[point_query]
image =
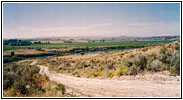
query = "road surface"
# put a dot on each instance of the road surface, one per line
(115, 88)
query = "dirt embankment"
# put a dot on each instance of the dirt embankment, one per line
(141, 86)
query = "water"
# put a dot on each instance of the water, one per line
(50, 56)
(99, 51)
(84, 52)
(44, 56)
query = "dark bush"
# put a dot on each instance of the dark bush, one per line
(133, 70)
(8, 79)
(39, 49)
(177, 46)
(59, 87)
(11, 59)
(20, 86)
(12, 53)
(18, 77)
(171, 58)
(165, 55)
(141, 61)
(175, 62)
(128, 61)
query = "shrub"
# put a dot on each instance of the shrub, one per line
(110, 75)
(133, 70)
(156, 65)
(19, 80)
(110, 65)
(165, 55)
(163, 49)
(11, 93)
(12, 53)
(122, 70)
(82, 64)
(145, 49)
(39, 49)
(140, 61)
(131, 55)
(8, 79)
(151, 57)
(99, 73)
(11, 59)
(177, 46)
(128, 62)
(18, 77)
(34, 90)
(92, 74)
(20, 86)
(175, 62)
(171, 58)
(58, 88)
(174, 71)
(75, 72)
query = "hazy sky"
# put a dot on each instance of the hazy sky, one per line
(23, 20)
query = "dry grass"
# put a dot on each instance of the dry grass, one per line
(84, 65)
(25, 62)
(22, 52)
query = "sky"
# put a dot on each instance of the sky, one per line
(30, 20)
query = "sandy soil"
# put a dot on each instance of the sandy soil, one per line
(137, 87)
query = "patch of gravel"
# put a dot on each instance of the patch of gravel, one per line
(70, 92)
(149, 78)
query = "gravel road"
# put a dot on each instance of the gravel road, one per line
(115, 88)
(33, 63)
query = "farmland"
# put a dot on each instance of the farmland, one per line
(83, 44)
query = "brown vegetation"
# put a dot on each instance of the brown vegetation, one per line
(21, 81)
(21, 52)
(130, 62)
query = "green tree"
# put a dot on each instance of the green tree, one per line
(12, 53)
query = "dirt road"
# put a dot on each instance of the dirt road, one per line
(115, 88)
(33, 63)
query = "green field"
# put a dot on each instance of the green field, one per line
(81, 44)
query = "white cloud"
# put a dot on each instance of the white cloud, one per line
(150, 24)
(100, 29)
(138, 24)
(105, 24)
(66, 28)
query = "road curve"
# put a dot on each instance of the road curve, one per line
(115, 88)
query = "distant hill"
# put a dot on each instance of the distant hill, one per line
(160, 38)
(125, 38)
(119, 38)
